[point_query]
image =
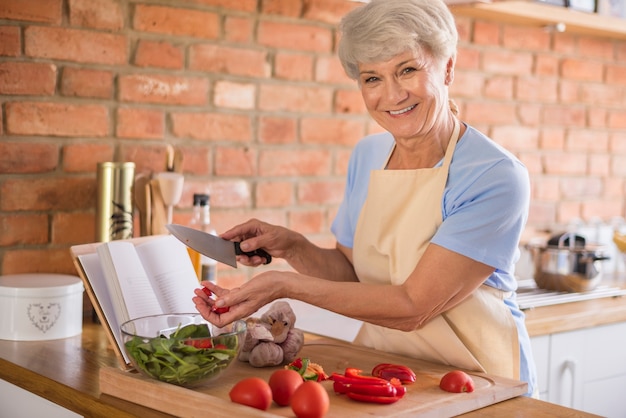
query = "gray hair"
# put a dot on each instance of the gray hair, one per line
(383, 29)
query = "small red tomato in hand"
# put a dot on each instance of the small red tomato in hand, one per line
(252, 391)
(457, 381)
(310, 400)
(284, 383)
(219, 311)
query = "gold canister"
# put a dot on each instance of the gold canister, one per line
(114, 201)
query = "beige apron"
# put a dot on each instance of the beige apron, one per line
(400, 216)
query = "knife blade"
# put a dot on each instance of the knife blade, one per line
(213, 246)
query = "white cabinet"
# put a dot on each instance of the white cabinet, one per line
(584, 369)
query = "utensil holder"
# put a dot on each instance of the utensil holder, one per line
(114, 201)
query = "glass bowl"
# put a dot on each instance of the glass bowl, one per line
(182, 349)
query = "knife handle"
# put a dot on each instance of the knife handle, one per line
(260, 252)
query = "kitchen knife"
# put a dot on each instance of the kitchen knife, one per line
(213, 246)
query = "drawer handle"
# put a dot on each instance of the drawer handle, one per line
(570, 366)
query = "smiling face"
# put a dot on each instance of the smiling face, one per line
(408, 94)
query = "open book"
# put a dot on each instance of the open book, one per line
(128, 279)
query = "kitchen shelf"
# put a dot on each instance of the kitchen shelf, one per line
(540, 15)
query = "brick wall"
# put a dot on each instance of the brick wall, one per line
(252, 93)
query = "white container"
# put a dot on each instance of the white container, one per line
(40, 306)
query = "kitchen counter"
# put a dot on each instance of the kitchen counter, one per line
(66, 372)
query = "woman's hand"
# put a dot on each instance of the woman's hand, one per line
(276, 240)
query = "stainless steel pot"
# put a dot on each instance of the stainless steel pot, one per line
(567, 264)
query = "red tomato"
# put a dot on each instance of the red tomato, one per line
(310, 400)
(252, 391)
(457, 381)
(284, 383)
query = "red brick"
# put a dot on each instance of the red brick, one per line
(486, 33)
(597, 118)
(564, 115)
(238, 29)
(601, 208)
(25, 78)
(56, 119)
(10, 41)
(524, 37)
(71, 228)
(80, 82)
(289, 163)
(26, 157)
(329, 70)
(291, 8)
(277, 130)
(467, 58)
(147, 158)
(274, 194)
(490, 112)
(516, 138)
(159, 54)
(212, 126)
(293, 66)
(580, 187)
(299, 37)
(232, 95)
(616, 74)
(542, 213)
(349, 101)
(307, 221)
(235, 161)
(621, 52)
(97, 14)
(613, 187)
(617, 143)
(467, 84)
(599, 165)
(329, 11)
(227, 193)
(140, 123)
(617, 119)
(176, 21)
(546, 189)
(564, 43)
(533, 89)
(47, 193)
(566, 211)
(568, 91)
(291, 98)
(320, 192)
(163, 89)
(342, 157)
(582, 69)
(75, 45)
(17, 229)
(507, 62)
(197, 160)
(618, 166)
(464, 26)
(46, 260)
(566, 164)
(240, 5)
(596, 47)
(601, 94)
(499, 87)
(552, 139)
(84, 157)
(46, 11)
(546, 64)
(331, 131)
(221, 59)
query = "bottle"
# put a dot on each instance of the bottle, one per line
(206, 268)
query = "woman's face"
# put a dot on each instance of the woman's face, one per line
(405, 95)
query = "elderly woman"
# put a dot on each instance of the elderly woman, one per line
(427, 233)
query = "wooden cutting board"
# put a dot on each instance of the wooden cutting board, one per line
(423, 398)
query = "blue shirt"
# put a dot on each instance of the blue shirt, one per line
(484, 210)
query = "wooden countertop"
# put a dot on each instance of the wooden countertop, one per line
(66, 372)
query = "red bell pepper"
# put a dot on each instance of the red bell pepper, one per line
(388, 371)
(215, 309)
(373, 399)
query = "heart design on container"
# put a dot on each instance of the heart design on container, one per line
(44, 316)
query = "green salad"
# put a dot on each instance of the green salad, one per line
(186, 356)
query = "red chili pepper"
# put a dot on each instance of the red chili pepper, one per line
(388, 371)
(348, 380)
(373, 399)
(357, 373)
(215, 309)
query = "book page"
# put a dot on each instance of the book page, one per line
(93, 270)
(173, 277)
(127, 281)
